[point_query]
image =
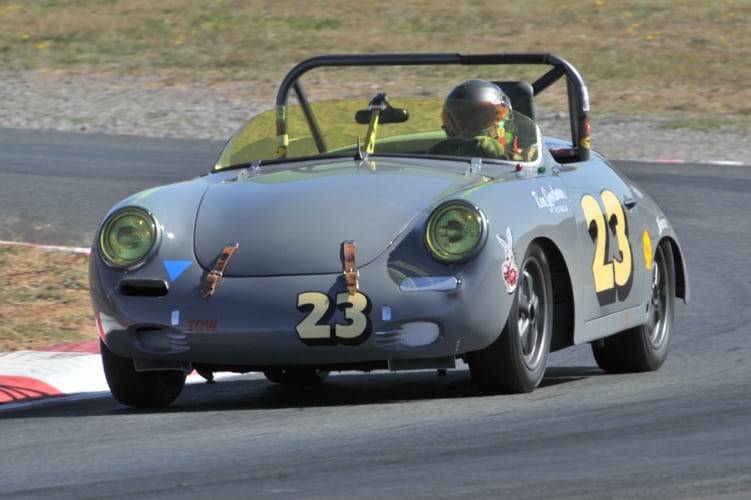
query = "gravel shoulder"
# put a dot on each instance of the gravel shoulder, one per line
(146, 107)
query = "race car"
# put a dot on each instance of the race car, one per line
(390, 226)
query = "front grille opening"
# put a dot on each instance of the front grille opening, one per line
(143, 288)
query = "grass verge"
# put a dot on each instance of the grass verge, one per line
(44, 299)
(637, 56)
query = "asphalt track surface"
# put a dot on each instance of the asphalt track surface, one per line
(681, 432)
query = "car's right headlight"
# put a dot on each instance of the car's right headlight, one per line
(456, 232)
(128, 237)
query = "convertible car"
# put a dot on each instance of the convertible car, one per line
(379, 228)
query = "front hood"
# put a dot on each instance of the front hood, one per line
(294, 221)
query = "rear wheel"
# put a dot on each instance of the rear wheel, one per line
(515, 362)
(153, 389)
(644, 348)
(296, 376)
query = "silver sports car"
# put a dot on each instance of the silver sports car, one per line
(390, 225)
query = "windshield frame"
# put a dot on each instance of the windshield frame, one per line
(578, 100)
(345, 131)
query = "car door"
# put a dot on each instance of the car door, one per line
(607, 281)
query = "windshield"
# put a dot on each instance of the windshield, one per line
(410, 125)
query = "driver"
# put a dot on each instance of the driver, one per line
(478, 121)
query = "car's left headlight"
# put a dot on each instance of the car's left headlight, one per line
(456, 232)
(128, 237)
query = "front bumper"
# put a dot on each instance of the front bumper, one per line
(263, 322)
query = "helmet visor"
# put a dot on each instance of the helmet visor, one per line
(473, 116)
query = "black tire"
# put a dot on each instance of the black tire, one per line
(644, 348)
(515, 362)
(296, 376)
(153, 389)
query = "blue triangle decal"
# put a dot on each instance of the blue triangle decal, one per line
(176, 267)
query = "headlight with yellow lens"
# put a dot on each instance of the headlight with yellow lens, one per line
(128, 237)
(456, 232)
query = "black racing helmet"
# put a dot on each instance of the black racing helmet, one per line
(474, 105)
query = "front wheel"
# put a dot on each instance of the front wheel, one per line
(644, 348)
(515, 362)
(153, 389)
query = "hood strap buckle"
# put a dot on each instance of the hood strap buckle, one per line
(212, 277)
(351, 274)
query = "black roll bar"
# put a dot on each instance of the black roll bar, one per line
(578, 97)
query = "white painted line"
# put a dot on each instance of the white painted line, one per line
(54, 248)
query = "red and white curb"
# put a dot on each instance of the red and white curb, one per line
(62, 370)
(26, 375)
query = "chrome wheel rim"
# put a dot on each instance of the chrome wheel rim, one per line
(658, 305)
(531, 316)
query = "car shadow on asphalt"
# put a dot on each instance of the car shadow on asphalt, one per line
(352, 389)
(254, 392)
